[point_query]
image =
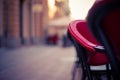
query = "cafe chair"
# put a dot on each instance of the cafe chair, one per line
(104, 22)
(89, 51)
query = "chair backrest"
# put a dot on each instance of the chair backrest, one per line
(108, 19)
(104, 22)
(111, 26)
(81, 33)
(78, 31)
(84, 31)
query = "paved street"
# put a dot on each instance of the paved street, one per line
(37, 63)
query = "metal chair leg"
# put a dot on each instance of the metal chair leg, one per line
(108, 72)
(86, 65)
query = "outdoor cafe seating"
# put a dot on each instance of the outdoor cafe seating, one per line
(97, 40)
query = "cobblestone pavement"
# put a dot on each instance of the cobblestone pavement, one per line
(37, 63)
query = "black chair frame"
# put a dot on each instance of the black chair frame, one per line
(81, 61)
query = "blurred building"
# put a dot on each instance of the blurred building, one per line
(59, 22)
(22, 22)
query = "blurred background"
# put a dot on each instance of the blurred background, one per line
(33, 40)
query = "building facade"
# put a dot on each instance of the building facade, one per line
(22, 22)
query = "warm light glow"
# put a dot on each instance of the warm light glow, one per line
(79, 8)
(37, 8)
(52, 8)
(59, 0)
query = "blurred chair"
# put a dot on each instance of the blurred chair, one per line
(104, 22)
(89, 50)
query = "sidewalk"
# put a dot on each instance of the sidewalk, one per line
(37, 63)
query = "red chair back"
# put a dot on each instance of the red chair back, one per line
(108, 19)
(81, 33)
(105, 25)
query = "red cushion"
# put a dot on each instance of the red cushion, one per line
(80, 32)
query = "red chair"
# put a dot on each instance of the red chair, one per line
(89, 50)
(104, 22)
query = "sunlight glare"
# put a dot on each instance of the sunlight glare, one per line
(52, 8)
(79, 8)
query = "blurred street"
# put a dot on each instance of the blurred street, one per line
(37, 63)
(33, 38)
